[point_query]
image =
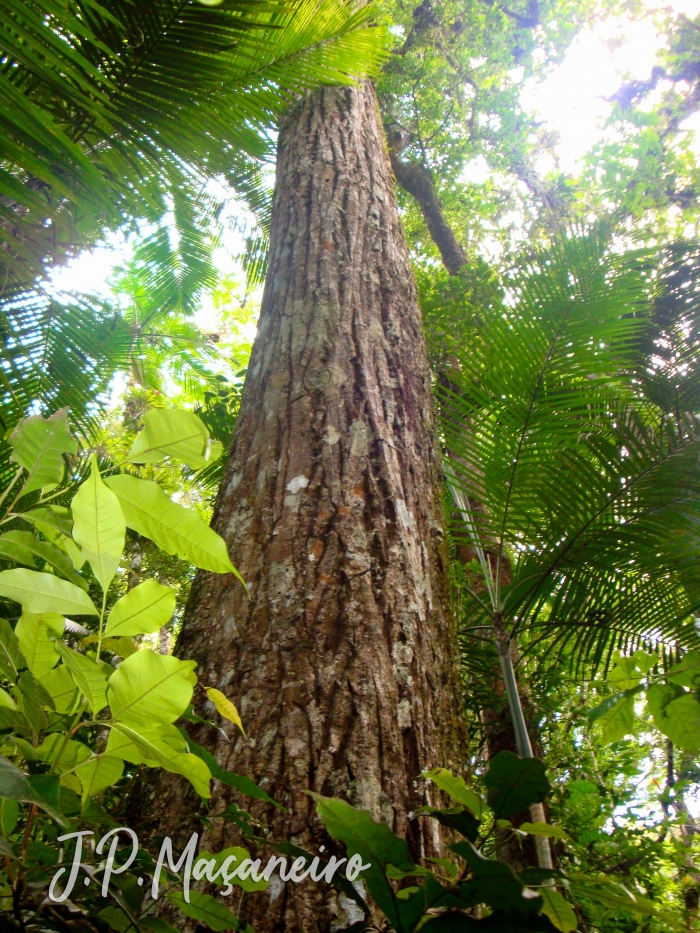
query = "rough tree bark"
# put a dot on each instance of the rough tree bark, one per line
(343, 659)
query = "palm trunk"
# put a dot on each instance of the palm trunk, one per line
(343, 659)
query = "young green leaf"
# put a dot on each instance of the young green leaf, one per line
(30, 547)
(162, 745)
(59, 684)
(150, 512)
(51, 520)
(89, 677)
(63, 753)
(39, 445)
(617, 721)
(455, 786)
(123, 645)
(98, 525)
(514, 784)
(44, 592)
(37, 636)
(6, 700)
(206, 908)
(225, 707)
(17, 553)
(543, 829)
(143, 610)
(558, 909)
(150, 688)
(172, 432)
(33, 700)
(98, 774)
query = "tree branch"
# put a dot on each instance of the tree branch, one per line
(415, 178)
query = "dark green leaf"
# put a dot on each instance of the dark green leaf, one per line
(374, 842)
(240, 782)
(11, 659)
(514, 784)
(461, 820)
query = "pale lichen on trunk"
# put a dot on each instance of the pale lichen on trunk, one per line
(342, 660)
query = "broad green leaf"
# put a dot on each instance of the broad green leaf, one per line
(458, 818)
(98, 526)
(225, 707)
(14, 785)
(38, 444)
(20, 725)
(43, 592)
(98, 774)
(51, 520)
(514, 784)
(543, 829)
(162, 744)
(28, 543)
(628, 671)
(142, 610)
(151, 688)
(37, 636)
(123, 646)
(374, 842)
(11, 659)
(156, 925)
(89, 677)
(618, 720)
(72, 550)
(17, 554)
(206, 908)
(173, 528)
(33, 700)
(9, 816)
(63, 753)
(558, 909)
(116, 919)
(687, 672)
(455, 786)
(173, 432)
(681, 722)
(494, 883)
(624, 675)
(6, 700)
(120, 745)
(59, 684)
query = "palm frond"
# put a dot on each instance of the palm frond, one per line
(581, 489)
(105, 107)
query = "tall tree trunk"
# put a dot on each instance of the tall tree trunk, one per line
(343, 659)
